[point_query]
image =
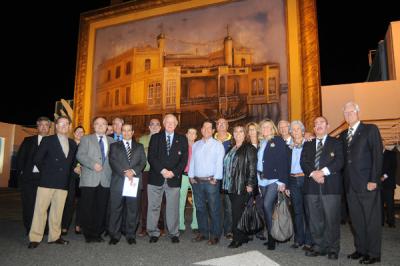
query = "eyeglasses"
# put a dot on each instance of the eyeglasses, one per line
(154, 124)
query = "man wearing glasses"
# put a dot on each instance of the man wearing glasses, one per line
(54, 160)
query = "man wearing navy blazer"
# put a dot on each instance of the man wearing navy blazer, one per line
(127, 160)
(28, 173)
(322, 160)
(363, 169)
(167, 156)
(54, 158)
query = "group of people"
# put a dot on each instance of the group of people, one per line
(224, 171)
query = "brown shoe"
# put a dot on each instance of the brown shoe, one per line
(142, 232)
(213, 241)
(60, 241)
(198, 238)
(162, 232)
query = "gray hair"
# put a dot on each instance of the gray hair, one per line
(172, 116)
(351, 103)
(299, 123)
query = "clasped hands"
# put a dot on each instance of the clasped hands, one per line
(167, 173)
(318, 176)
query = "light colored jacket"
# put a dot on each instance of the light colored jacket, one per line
(88, 155)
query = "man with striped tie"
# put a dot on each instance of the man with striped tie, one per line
(321, 161)
(167, 156)
(127, 160)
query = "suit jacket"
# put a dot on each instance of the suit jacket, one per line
(389, 168)
(25, 156)
(119, 163)
(363, 158)
(88, 155)
(275, 160)
(332, 158)
(54, 167)
(176, 160)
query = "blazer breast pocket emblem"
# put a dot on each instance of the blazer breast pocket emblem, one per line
(272, 145)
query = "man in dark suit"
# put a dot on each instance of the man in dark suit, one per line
(388, 186)
(321, 161)
(28, 173)
(127, 160)
(363, 168)
(54, 158)
(167, 156)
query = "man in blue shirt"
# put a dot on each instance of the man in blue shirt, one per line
(205, 174)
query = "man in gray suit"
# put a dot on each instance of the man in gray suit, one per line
(127, 161)
(95, 180)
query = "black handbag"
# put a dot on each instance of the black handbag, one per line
(251, 221)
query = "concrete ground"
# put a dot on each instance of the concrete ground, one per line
(14, 251)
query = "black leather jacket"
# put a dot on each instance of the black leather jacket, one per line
(244, 169)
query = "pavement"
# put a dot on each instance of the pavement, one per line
(14, 251)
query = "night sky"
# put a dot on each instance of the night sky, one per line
(42, 64)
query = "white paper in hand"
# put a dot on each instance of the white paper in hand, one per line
(130, 188)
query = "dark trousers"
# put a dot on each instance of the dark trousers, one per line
(120, 207)
(388, 199)
(238, 204)
(69, 207)
(208, 202)
(226, 203)
(365, 214)
(269, 195)
(28, 199)
(144, 205)
(301, 220)
(94, 202)
(324, 211)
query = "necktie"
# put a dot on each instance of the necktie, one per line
(103, 153)
(318, 153)
(168, 143)
(349, 136)
(128, 151)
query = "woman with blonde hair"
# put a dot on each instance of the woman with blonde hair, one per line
(272, 171)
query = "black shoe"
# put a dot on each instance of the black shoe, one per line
(270, 243)
(175, 239)
(234, 244)
(229, 236)
(60, 241)
(355, 255)
(131, 241)
(195, 231)
(153, 239)
(113, 241)
(33, 244)
(333, 256)
(392, 225)
(99, 239)
(307, 248)
(314, 253)
(369, 260)
(295, 245)
(106, 233)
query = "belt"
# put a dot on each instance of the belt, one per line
(297, 175)
(203, 179)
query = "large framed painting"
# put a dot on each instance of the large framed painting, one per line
(199, 59)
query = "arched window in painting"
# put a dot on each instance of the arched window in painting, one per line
(272, 85)
(260, 86)
(222, 86)
(147, 64)
(118, 72)
(171, 91)
(128, 95)
(128, 67)
(254, 87)
(236, 87)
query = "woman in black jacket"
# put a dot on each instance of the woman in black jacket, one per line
(240, 178)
